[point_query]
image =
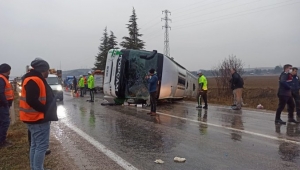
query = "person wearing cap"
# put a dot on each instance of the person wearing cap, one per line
(6, 99)
(202, 93)
(37, 109)
(152, 88)
(91, 84)
(81, 85)
(295, 86)
(28, 131)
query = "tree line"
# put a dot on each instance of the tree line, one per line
(132, 41)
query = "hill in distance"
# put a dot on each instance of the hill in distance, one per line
(75, 72)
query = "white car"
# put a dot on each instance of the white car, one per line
(56, 86)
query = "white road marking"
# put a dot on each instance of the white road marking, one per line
(229, 128)
(123, 163)
(224, 107)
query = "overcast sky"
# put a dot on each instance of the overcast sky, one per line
(263, 33)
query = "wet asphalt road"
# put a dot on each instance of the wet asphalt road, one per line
(218, 138)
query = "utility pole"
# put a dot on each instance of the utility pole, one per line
(166, 26)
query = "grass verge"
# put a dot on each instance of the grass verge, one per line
(17, 156)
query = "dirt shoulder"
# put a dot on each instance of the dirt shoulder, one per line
(17, 156)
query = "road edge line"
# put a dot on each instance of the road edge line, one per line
(116, 158)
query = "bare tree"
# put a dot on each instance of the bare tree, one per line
(222, 73)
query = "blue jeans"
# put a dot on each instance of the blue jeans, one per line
(39, 144)
(4, 122)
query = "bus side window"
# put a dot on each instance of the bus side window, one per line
(194, 87)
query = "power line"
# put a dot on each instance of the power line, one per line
(153, 19)
(166, 26)
(219, 10)
(232, 16)
(153, 33)
(196, 7)
(150, 26)
(187, 6)
(202, 10)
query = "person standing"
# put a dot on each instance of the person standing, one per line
(285, 96)
(81, 85)
(28, 133)
(202, 93)
(91, 84)
(152, 88)
(237, 84)
(37, 109)
(234, 95)
(75, 84)
(6, 99)
(295, 86)
(85, 85)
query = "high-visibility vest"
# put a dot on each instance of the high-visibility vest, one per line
(203, 80)
(27, 113)
(85, 80)
(81, 82)
(9, 93)
(91, 82)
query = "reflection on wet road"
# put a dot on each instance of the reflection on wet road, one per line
(218, 138)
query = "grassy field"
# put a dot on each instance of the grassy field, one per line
(17, 156)
(257, 90)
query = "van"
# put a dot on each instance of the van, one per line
(56, 86)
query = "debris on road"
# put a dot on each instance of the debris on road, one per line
(260, 106)
(159, 161)
(178, 159)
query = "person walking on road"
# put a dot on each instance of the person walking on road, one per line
(6, 99)
(295, 85)
(81, 85)
(237, 85)
(285, 96)
(91, 84)
(202, 91)
(37, 109)
(152, 88)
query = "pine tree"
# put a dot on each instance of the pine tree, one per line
(102, 54)
(112, 43)
(133, 41)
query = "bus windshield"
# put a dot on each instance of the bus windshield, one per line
(136, 69)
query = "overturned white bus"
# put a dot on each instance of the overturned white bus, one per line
(125, 73)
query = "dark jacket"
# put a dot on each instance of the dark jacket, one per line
(295, 84)
(33, 93)
(152, 83)
(236, 81)
(75, 82)
(285, 80)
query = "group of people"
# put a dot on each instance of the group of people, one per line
(37, 108)
(237, 85)
(85, 84)
(288, 94)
